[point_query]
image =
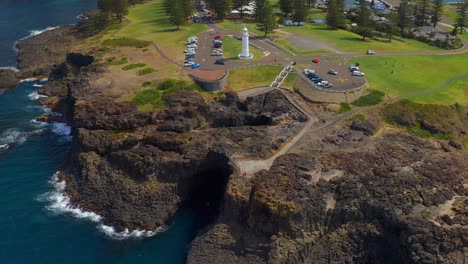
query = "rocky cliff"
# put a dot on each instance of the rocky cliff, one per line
(356, 194)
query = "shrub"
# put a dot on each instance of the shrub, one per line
(133, 66)
(117, 62)
(359, 117)
(344, 107)
(374, 97)
(146, 71)
(146, 84)
(126, 42)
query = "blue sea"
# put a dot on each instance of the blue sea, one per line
(33, 228)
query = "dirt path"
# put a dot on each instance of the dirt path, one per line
(249, 167)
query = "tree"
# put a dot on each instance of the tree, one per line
(364, 22)
(402, 17)
(259, 5)
(299, 11)
(310, 3)
(286, 7)
(421, 12)
(335, 15)
(177, 10)
(239, 4)
(436, 16)
(266, 18)
(220, 7)
(120, 8)
(105, 5)
(462, 16)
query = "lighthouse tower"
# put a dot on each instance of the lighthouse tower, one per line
(245, 55)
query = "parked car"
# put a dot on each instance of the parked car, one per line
(308, 71)
(332, 72)
(315, 60)
(357, 73)
(219, 61)
(189, 63)
(196, 65)
(370, 52)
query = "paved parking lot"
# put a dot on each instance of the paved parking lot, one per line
(343, 81)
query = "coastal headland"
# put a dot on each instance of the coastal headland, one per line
(381, 179)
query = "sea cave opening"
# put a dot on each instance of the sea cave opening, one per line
(207, 190)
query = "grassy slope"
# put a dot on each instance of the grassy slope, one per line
(402, 75)
(242, 79)
(150, 22)
(350, 42)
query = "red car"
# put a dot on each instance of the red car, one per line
(315, 60)
(218, 37)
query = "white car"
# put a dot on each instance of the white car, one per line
(357, 73)
(188, 64)
(217, 53)
(308, 71)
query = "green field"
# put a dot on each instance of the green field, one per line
(404, 75)
(234, 25)
(233, 47)
(350, 42)
(289, 46)
(246, 78)
(150, 22)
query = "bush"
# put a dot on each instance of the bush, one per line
(359, 117)
(344, 107)
(374, 97)
(117, 62)
(126, 42)
(133, 66)
(146, 71)
(146, 84)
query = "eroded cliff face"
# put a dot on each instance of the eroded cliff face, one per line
(401, 200)
(135, 169)
(353, 193)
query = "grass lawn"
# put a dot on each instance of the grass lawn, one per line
(289, 46)
(401, 75)
(246, 78)
(150, 22)
(350, 42)
(235, 25)
(289, 81)
(233, 47)
(450, 12)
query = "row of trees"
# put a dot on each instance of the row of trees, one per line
(295, 9)
(179, 11)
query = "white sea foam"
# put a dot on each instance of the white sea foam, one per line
(35, 95)
(10, 68)
(28, 80)
(11, 136)
(4, 147)
(61, 129)
(110, 232)
(36, 32)
(60, 203)
(38, 123)
(38, 85)
(44, 80)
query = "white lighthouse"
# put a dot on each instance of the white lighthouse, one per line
(245, 55)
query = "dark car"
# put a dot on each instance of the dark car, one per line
(219, 61)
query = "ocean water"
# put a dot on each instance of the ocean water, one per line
(33, 226)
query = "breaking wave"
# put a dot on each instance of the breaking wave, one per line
(61, 129)
(35, 95)
(36, 32)
(59, 202)
(10, 68)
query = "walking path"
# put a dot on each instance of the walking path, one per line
(282, 75)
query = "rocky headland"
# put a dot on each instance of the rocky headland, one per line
(356, 191)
